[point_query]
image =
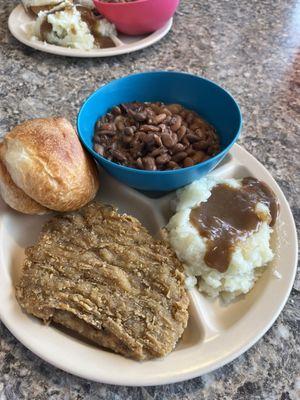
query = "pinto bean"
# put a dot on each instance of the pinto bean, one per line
(181, 132)
(116, 110)
(163, 159)
(165, 110)
(179, 156)
(127, 139)
(188, 162)
(147, 128)
(177, 148)
(119, 122)
(148, 138)
(173, 165)
(192, 137)
(149, 163)
(201, 145)
(176, 123)
(157, 140)
(190, 150)
(138, 116)
(198, 157)
(154, 136)
(159, 118)
(118, 155)
(129, 130)
(167, 139)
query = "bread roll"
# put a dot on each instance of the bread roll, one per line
(15, 197)
(45, 159)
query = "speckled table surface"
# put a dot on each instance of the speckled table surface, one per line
(252, 49)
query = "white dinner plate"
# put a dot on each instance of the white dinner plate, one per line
(216, 334)
(19, 23)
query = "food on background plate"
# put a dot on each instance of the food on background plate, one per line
(63, 26)
(36, 6)
(45, 166)
(155, 136)
(102, 275)
(103, 31)
(73, 25)
(221, 232)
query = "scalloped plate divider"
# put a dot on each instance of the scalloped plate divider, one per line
(20, 24)
(216, 333)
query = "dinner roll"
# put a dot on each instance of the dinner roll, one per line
(45, 159)
(15, 197)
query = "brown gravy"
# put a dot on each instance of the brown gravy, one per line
(229, 215)
(90, 19)
(87, 16)
(104, 42)
(45, 29)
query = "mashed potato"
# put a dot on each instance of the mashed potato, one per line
(248, 257)
(68, 26)
(68, 29)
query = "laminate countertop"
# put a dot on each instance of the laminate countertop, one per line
(252, 49)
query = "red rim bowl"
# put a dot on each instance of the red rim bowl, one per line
(138, 17)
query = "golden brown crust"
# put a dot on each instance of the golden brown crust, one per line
(102, 274)
(46, 160)
(15, 197)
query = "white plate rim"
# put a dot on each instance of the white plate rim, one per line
(95, 53)
(240, 153)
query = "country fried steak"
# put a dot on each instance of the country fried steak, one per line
(102, 275)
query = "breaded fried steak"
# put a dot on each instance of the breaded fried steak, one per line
(102, 275)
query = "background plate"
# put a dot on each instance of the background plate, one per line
(19, 22)
(215, 335)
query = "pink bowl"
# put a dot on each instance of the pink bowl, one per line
(138, 17)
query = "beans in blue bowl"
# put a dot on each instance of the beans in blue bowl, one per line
(214, 104)
(155, 136)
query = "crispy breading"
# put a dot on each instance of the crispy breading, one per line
(104, 276)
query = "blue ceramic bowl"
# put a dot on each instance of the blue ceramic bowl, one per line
(201, 95)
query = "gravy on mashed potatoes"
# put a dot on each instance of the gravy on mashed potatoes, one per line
(229, 215)
(221, 232)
